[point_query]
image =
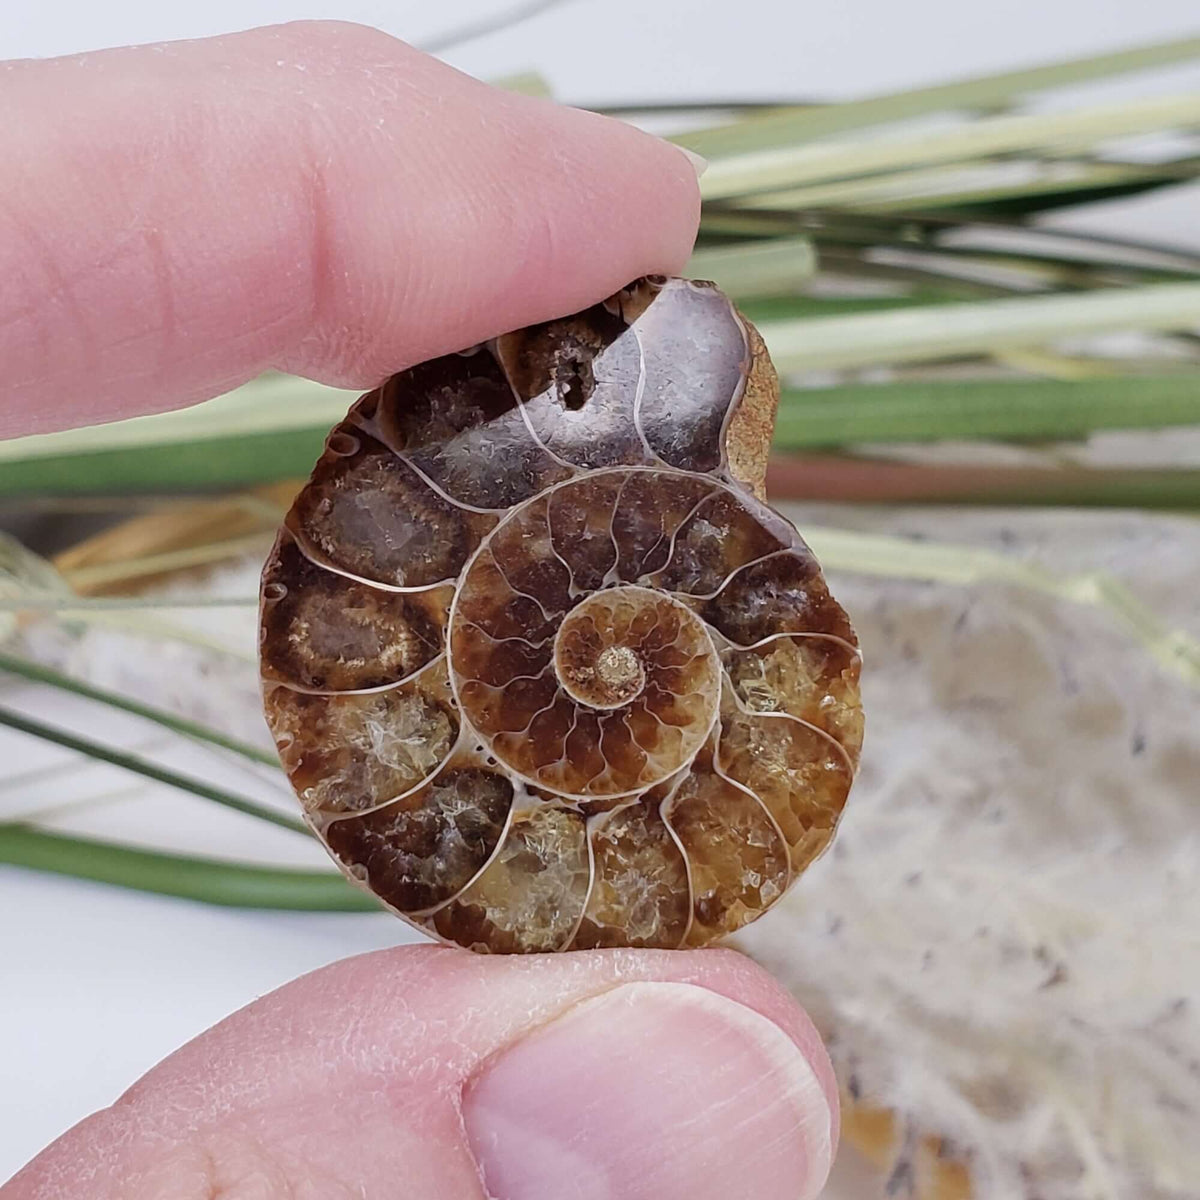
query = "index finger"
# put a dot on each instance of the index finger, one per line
(317, 198)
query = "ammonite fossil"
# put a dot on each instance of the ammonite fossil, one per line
(544, 670)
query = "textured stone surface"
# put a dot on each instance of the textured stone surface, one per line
(533, 892)
(423, 849)
(543, 669)
(640, 896)
(368, 513)
(801, 775)
(809, 676)
(324, 632)
(736, 852)
(1001, 948)
(353, 752)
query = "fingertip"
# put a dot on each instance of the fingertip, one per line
(316, 197)
(740, 978)
(657, 1074)
(521, 994)
(659, 1089)
(536, 212)
(453, 211)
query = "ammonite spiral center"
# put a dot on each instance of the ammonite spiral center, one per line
(617, 642)
(592, 696)
(619, 675)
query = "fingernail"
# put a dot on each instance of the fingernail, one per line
(652, 1091)
(699, 164)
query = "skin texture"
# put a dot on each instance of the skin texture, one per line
(322, 199)
(358, 1075)
(315, 197)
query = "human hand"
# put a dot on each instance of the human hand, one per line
(434, 1074)
(322, 199)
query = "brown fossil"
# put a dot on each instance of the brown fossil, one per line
(543, 668)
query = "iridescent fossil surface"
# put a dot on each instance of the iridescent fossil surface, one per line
(543, 668)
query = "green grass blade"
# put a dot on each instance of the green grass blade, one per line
(791, 308)
(269, 429)
(207, 462)
(1009, 408)
(710, 104)
(254, 408)
(141, 766)
(527, 83)
(212, 881)
(38, 673)
(755, 269)
(989, 91)
(950, 331)
(931, 231)
(776, 173)
(1041, 269)
(1041, 195)
(978, 185)
(727, 221)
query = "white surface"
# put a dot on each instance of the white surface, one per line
(665, 48)
(96, 984)
(102, 983)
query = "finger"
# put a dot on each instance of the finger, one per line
(316, 197)
(610, 1075)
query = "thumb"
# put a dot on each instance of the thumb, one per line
(610, 1075)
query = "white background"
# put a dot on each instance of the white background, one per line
(97, 984)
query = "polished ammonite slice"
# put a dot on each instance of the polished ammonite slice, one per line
(544, 670)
